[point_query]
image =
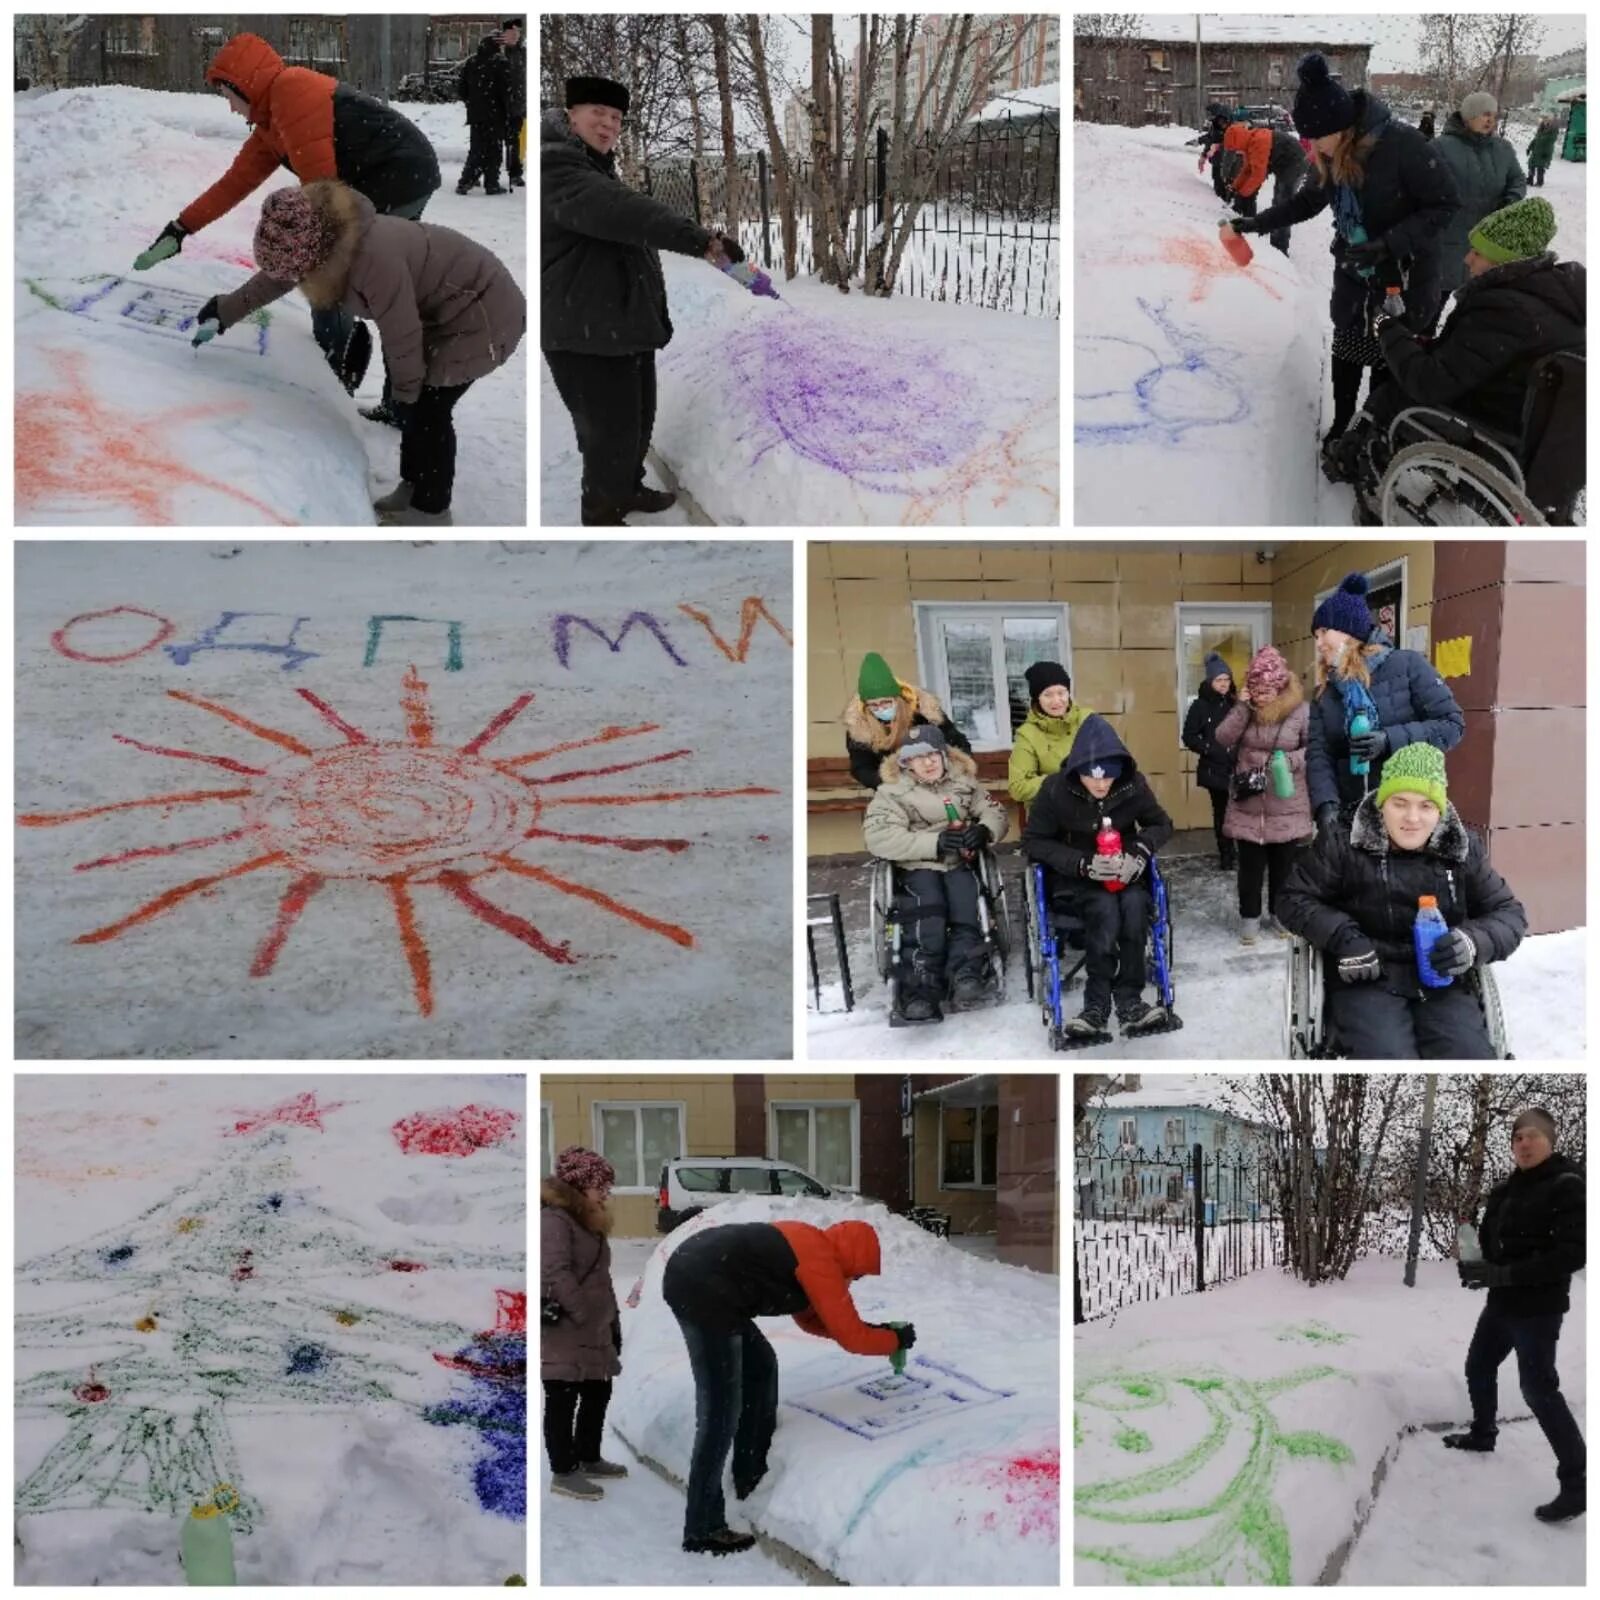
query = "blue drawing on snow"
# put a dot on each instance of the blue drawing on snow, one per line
(887, 1404)
(498, 1407)
(151, 308)
(1191, 386)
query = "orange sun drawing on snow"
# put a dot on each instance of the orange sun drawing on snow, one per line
(405, 814)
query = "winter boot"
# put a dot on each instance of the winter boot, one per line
(597, 513)
(517, 183)
(602, 1469)
(1571, 1502)
(1469, 1441)
(1228, 856)
(724, 1542)
(1249, 929)
(745, 1484)
(493, 188)
(575, 1486)
(651, 500)
(397, 499)
(921, 1008)
(970, 988)
(409, 517)
(1088, 1023)
(1274, 929)
(381, 413)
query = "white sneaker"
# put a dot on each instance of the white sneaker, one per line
(1249, 929)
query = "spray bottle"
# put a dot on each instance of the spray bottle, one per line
(208, 1540)
(898, 1359)
(1429, 928)
(1467, 1246)
(749, 277)
(1360, 723)
(1236, 244)
(1282, 777)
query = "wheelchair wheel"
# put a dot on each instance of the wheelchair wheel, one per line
(881, 895)
(1303, 999)
(1494, 1015)
(993, 883)
(1436, 485)
(1032, 956)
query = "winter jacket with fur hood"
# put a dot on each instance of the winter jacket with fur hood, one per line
(1255, 732)
(1533, 1223)
(447, 309)
(575, 1270)
(867, 741)
(1356, 890)
(906, 816)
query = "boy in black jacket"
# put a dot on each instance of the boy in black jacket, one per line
(1532, 1237)
(1097, 785)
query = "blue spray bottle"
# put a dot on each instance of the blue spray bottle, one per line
(1360, 723)
(1426, 932)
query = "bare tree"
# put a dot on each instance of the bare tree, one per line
(718, 24)
(782, 172)
(1107, 27)
(832, 256)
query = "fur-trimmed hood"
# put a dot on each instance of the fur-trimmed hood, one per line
(1283, 704)
(592, 1216)
(861, 726)
(957, 763)
(1450, 840)
(350, 215)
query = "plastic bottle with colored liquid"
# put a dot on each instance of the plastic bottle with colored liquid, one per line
(1360, 723)
(208, 1540)
(1467, 1246)
(898, 1359)
(1426, 931)
(1108, 842)
(1282, 777)
(1237, 246)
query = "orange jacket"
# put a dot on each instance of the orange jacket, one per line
(291, 124)
(827, 1262)
(1256, 146)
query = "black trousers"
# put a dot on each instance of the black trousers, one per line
(486, 141)
(1536, 177)
(1219, 810)
(513, 155)
(574, 1421)
(1375, 1025)
(1534, 1339)
(612, 402)
(428, 447)
(940, 932)
(1114, 927)
(1271, 861)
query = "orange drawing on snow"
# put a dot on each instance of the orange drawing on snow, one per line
(399, 814)
(753, 609)
(998, 465)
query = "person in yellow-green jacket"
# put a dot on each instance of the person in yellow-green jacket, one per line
(1044, 740)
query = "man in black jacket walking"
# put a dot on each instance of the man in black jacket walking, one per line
(1532, 1237)
(485, 89)
(516, 96)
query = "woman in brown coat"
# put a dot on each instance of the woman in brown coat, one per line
(1271, 715)
(578, 1351)
(447, 309)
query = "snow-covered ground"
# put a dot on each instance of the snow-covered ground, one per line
(121, 420)
(953, 1499)
(829, 410)
(1200, 387)
(1267, 1432)
(447, 800)
(1231, 999)
(309, 1287)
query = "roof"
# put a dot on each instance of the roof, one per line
(1338, 32)
(1158, 1091)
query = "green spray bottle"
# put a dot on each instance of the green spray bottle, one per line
(898, 1359)
(208, 1539)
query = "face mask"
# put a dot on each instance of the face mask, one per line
(883, 713)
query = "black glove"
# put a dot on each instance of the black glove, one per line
(1366, 254)
(906, 1335)
(1454, 953)
(616, 1334)
(1327, 816)
(731, 248)
(950, 843)
(1370, 746)
(167, 244)
(1482, 1275)
(1244, 225)
(976, 836)
(1362, 968)
(208, 324)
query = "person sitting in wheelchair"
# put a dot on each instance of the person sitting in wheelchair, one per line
(932, 817)
(1518, 305)
(1355, 897)
(1098, 787)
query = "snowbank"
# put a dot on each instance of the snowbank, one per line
(953, 1491)
(271, 1282)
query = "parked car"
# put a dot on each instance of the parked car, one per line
(439, 84)
(691, 1183)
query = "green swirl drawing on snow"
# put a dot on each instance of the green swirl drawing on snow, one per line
(1245, 1537)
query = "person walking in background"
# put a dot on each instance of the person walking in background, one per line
(1487, 178)
(1213, 769)
(516, 97)
(1541, 151)
(486, 93)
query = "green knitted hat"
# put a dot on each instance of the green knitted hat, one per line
(877, 682)
(1515, 232)
(1414, 769)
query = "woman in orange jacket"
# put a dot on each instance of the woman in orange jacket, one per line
(716, 1283)
(317, 127)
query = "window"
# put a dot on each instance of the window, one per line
(1174, 1133)
(973, 655)
(702, 1180)
(1386, 599)
(1274, 72)
(968, 1143)
(1235, 632)
(1111, 66)
(798, 1183)
(1130, 1186)
(1219, 1134)
(636, 1137)
(1174, 1186)
(1156, 60)
(547, 1143)
(822, 1138)
(1128, 1133)
(749, 1180)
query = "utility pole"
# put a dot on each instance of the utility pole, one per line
(1199, 87)
(1419, 1185)
(385, 56)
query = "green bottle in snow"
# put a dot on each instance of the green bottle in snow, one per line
(898, 1359)
(208, 1539)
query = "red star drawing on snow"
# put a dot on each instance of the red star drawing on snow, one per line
(300, 1112)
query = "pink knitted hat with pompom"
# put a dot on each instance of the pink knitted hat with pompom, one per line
(293, 238)
(1268, 674)
(585, 1169)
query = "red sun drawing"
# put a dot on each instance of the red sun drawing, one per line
(405, 814)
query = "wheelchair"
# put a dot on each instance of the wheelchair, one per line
(1056, 932)
(1438, 469)
(1307, 1035)
(994, 923)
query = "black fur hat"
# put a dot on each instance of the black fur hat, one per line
(596, 92)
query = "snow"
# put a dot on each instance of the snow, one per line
(1023, 102)
(1274, 1425)
(830, 410)
(666, 865)
(1202, 388)
(130, 423)
(311, 1376)
(945, 1502)
(1175, 1089)
(1231, 999)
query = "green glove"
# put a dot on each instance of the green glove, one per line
(168, 243)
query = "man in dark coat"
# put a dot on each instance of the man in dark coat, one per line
(1100, 784)
(1532, 1239)
(516, 58)
(1487, 173)
(603, 300)
(485, 90)
(1213, 769)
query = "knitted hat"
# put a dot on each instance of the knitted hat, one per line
(1044, 675)
(923, 740)
(1267, 675)
(1476, 103)
(876, 681)
(584, 1169)
(1538, 1117)
(1321, 105)
(1346, 609)
(1515, 232)
(293, 237)
(596, 92)
(1215, 667)
(1415, 769)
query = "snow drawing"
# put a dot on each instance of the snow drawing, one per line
(1164, 401)
(497, 1363)
(400, 814)
(1242, 1536)
(891, 1404)
(149, 308)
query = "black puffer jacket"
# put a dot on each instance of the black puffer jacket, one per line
(1407, 198)
(1357, 891)
(602, 292)
(1065, 817)
(1503, 321)
(1533, 1222)
(1213, 769)
(486, 86)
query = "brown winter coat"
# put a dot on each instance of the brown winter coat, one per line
(905, 816)
(573, 1246)
(447, 309)
(1280, 724)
